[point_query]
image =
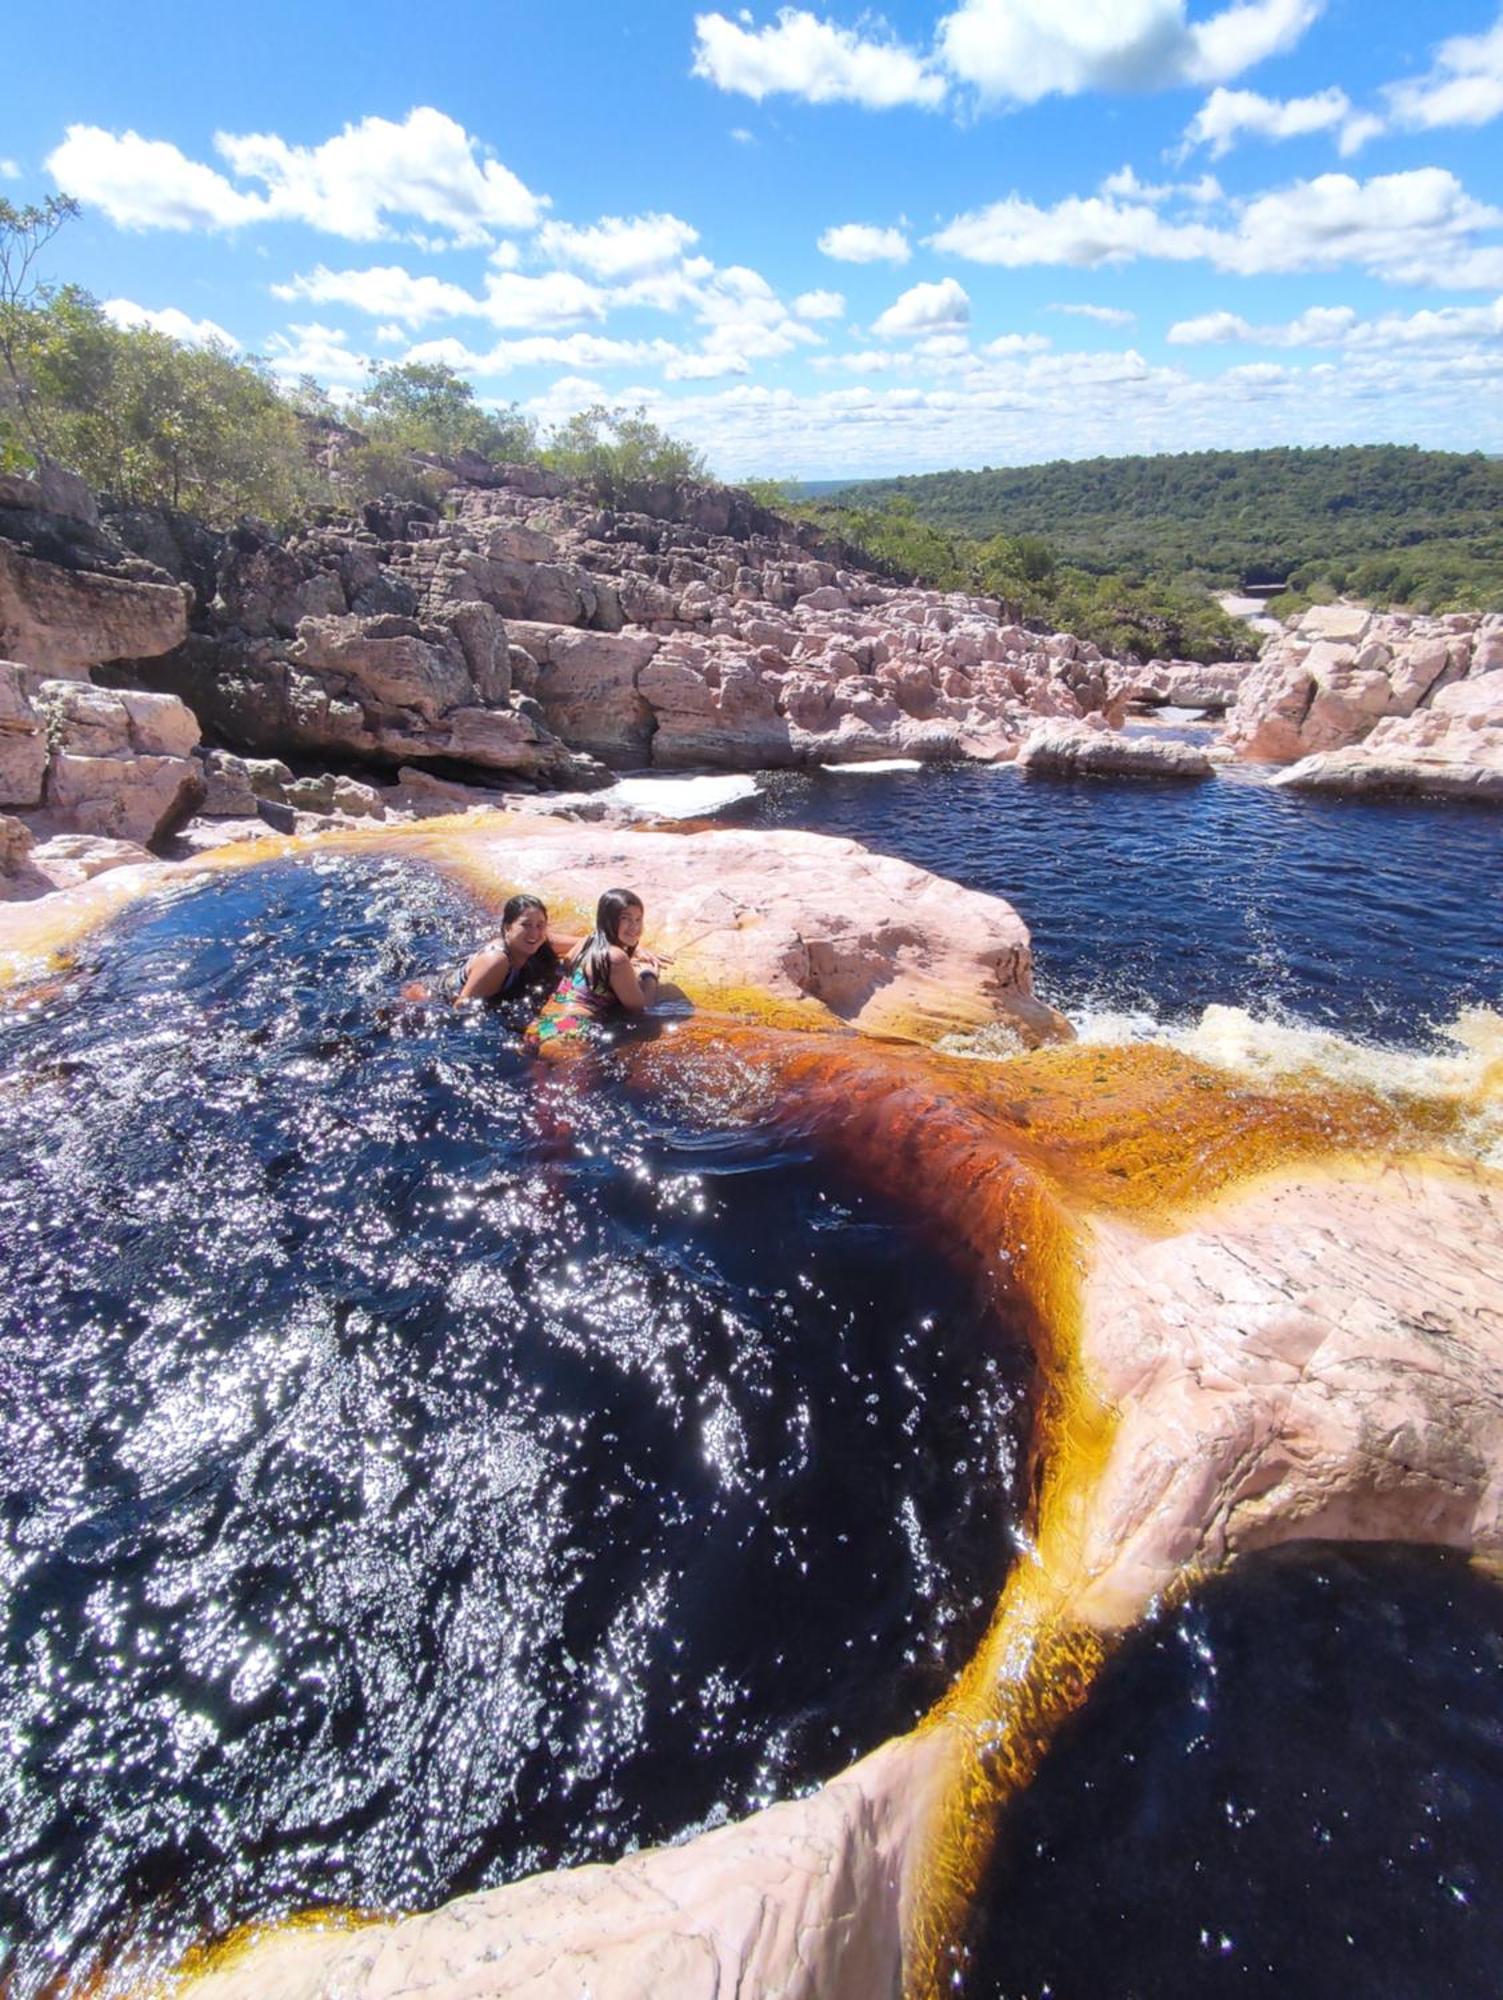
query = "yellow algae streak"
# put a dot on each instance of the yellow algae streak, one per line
(203, 1961)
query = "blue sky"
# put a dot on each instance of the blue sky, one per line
(815, 241)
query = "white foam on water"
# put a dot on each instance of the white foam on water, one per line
(878, 764)
(1269, 1050)
(684, 798)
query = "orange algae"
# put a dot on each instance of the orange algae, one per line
(223, 1954)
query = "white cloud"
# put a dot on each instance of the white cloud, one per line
(1319, 326)
(1339, 326)
(819, 305)
(505, 257)
(1416, 227)
(1230, 115)
(1018, 343)
(147, 183)
(1242, 36)
(1124, 185)
(321, 351)
(571, 350)
(9, 170)
(427, 169)
(938, 308)
(1087, 231)
(557, 298)
(566, 397)
(1464, 85)
(170, 320)
(1019, 51)
(703, 367)
(742, 137)
(1103, 315)
(386, 291)
(619, 247)
(863, 243)
(802, 56)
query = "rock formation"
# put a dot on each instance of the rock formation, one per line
(1362, 701)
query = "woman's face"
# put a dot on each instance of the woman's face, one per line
(629, 927)
(526, 933)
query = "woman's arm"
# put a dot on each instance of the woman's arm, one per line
(632, 991)
(485, 974)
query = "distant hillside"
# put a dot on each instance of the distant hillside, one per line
(1388, 521)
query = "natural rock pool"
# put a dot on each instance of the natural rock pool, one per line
(419, 1470)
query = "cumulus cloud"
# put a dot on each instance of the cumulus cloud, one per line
(803, 56)
(940, 308)
(619, 247)
(9, 170)
(1319, 326)
(1126, 186)
(148, 183)
(1417, 227)
(819, 305)
(386, 291)
(427, 169)
(1339, 326)
(863, 243)
(1018, 343)
(1103, 315)
(321, 351)
(1019, 51)
(1464, 85)
(1228, 116)
(170, 320)
(571, 350)
(557, 298)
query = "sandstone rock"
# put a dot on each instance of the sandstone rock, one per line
(16, 843)
(386, 660)
(1341, 623)
(587, 684)
(65, 621)
(1070, 749)
(23, 742)
(123, 798)
(70, 858)
(1452, 749)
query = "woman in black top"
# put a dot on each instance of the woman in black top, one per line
(520, 965)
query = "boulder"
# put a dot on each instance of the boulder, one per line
(23, 741)
(121, 764)
(587, 685)
(64, 621)
(1071, 749)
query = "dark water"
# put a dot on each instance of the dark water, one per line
(1378, 919)
(415, 1472)
(1292, 1788)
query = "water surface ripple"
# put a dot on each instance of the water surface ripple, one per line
(418, 1471)
(1379, 919)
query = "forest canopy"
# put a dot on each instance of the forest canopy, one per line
(1389, 523)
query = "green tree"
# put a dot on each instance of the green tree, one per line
(24, 235)
(428, 406)
(611, 450)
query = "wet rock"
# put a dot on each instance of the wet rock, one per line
(1070, 749)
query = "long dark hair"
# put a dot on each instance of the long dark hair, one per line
(593, 957)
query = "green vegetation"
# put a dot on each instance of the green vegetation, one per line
(1146, 618)
(149, 420)
(1388, 523)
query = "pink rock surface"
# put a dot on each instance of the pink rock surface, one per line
(1452, 747)
(1320, 1357)
(1069, 748)
(1342, 681)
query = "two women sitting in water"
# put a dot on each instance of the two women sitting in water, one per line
(606, 973)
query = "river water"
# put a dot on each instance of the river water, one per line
(416, 1472)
